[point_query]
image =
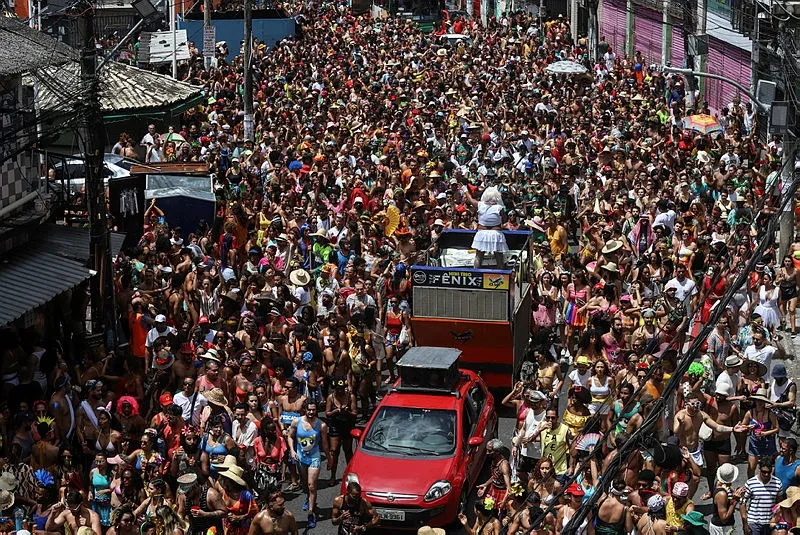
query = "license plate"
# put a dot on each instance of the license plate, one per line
(391, 514)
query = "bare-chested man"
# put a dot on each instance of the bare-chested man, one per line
(72, 517)
(717, 449)
(687, 428)
(275, 519)
(352, 512)
(62, 407)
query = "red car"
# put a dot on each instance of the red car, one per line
(423, 449)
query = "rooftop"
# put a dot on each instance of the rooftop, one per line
(25, 49)
(122, 88)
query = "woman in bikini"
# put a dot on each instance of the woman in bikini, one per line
(543, 481)
(549, 378)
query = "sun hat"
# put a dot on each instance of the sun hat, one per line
(762, 368)
(611, 266)
(611, 246)
(723, 389)
(211, 354)
(164, 360)
(427, 530)
(536, 395)
(215, 396)
(234, 473)
(583, 359)
(226, 463)
(695, 518)
(733, 361)
(727, 473)
(792, 495)
(299, 277)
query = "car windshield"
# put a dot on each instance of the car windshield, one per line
(413, 432)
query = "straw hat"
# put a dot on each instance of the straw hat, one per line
(792, 495)
(211, 354)
(234, 473)
(320, 233)
(762, 368)
(611, 246)
(762, 394)
(164, 360)
(215, 396)
(427, 530)
(227, 463)
(299, 277)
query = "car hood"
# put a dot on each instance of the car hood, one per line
(400, 475)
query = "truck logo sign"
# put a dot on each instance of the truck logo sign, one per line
(419, 277)
(462, 337)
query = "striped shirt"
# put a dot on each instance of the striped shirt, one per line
(760, 498)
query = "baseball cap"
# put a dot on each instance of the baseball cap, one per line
(165, 399)
(161, 318)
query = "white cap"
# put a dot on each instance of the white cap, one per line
(358, 199)
(161, 318)
(438, 222)
(228, 274)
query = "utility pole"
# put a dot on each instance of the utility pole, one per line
(92, 130)
(172, 6)
(206, 28)
(248, 70)
(666, 35)
(592, 29)
(630, 28)
(786, 228)
(688, 28)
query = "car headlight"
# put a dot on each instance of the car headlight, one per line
(437, 490)
(352, 477)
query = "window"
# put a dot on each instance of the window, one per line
(478, 399)
(405, 431)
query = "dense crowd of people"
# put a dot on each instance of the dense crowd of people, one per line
(258, 340)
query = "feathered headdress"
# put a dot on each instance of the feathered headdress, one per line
(44, 477)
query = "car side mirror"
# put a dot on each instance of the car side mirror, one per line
(475, 441)
(355, 433)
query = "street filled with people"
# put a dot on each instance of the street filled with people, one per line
(259, 341)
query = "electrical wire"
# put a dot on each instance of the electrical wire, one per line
(683, 364)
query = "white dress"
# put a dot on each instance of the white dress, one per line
(768, 307)
(489, 241)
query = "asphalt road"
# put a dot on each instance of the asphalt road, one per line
(328, 492)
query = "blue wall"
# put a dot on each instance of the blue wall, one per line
(270, 31)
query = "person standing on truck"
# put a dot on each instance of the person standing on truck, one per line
(489, 238)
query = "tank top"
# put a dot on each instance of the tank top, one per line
(599, 393)
(200, 526)
(394, 322)
(623, 417)
(601, 527)
(715, 519)
(785, 472)
(355, 516)
(308, 441)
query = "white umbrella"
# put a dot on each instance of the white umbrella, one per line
(566, 67)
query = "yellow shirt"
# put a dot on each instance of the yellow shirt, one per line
(558, 242)
(674, 515)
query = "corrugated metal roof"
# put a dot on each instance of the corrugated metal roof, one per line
(31, 279)
(71, 242)
(25, 49)
(122, 87)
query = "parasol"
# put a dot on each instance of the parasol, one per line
(172, 136)
(565, 67)
(702, 123)
(392, 220)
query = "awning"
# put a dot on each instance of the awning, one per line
(71, 242)
(31, 279)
